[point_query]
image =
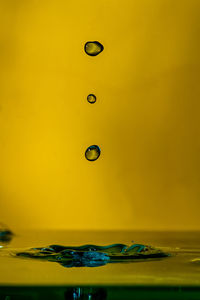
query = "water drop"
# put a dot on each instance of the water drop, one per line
(93, 48)
(92, 153)
(91, 98)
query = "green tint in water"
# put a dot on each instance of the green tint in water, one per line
(93, 255)
(93, 48)
(91, 98)
(92, 153)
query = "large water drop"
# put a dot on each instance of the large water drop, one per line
(93, 48)
(91, 98)
(92, 153)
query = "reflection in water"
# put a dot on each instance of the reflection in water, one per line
(93, 255)
(84, 263)
(55, 293)
(196, 260)
(89, 293)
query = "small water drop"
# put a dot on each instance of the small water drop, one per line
(92, 153)
(91, 98)
(93, 48)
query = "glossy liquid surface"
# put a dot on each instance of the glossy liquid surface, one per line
(178, 270)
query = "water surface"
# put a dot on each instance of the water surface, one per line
(178, 270)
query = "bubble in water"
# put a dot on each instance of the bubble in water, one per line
(91, 98)
(92, 153)
(93, 48)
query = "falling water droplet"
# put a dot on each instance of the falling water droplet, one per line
(91, 98)
(93, 48)
(92, 153)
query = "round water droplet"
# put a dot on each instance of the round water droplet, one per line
(91, 98)
(92, 153)
(93, 48)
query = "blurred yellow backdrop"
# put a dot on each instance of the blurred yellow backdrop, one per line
(145, 120)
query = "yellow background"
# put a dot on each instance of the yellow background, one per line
(145, 120)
